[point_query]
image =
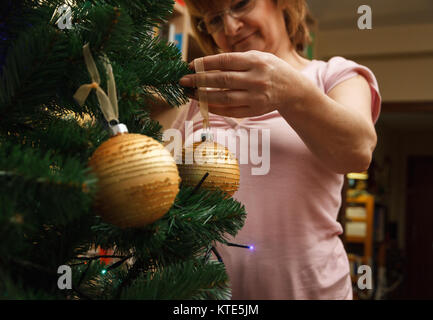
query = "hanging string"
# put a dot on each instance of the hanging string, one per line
(111, 87)
(203, 104)
(107, 103)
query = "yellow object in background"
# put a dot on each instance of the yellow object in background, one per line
(358, 176)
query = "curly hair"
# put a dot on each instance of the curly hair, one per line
(296, 15)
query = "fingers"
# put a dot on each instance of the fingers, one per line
(229, 71)
(233, 61)
(223, 80)
(229, 97)
(228, 103)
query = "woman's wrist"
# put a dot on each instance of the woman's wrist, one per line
(301, 95)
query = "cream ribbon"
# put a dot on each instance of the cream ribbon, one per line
(108, 104)
(202, 95)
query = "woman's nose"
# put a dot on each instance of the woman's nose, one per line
(231, 25)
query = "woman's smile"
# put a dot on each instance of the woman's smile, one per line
(237, 45)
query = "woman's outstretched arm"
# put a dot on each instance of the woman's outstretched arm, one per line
(338, 128)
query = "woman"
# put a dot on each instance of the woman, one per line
(320, 116)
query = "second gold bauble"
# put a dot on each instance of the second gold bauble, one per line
(213, 158)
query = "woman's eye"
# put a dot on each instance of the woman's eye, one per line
(214, 21)
(241, 5)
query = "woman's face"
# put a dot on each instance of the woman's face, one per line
(263, 29)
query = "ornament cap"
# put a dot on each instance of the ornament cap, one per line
(206, 136)
(118, 129)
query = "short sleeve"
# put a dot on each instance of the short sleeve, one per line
(339, 69)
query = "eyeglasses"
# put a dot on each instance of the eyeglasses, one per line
(215, 22)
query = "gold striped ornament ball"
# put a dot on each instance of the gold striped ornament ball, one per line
(213, 158)
(138, 180)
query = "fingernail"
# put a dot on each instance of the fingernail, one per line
(185, 81)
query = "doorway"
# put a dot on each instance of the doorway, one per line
(419, 228)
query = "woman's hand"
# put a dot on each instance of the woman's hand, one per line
(250, 83)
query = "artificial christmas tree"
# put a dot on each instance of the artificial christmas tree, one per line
(47, 189)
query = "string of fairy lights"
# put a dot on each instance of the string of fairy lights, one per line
(212, 248)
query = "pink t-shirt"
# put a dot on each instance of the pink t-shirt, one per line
(292, 209)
